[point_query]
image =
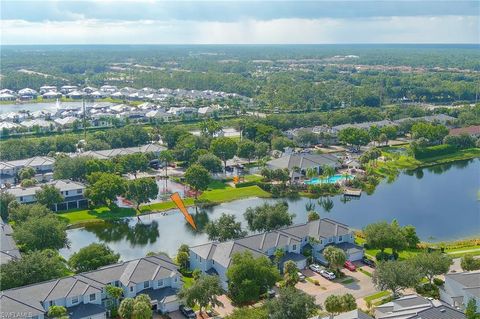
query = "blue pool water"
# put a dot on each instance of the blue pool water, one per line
(331, 179)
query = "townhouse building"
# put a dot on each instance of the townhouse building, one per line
(215, 257)
(460, 288)
(43, 166)
(84, 295)
(72, 192)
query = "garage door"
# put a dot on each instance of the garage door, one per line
(301, 264)
(171, 306)
(98, 316)
(355, 256)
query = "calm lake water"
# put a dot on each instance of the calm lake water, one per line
(48, 106)
(440, 201)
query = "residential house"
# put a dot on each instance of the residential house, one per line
(27, 94)
(473, 130)
(43, 166)
(364, 125)
(68, 88)
(215, 257)
(51, 95)
(299, 163)
(416, 307)
(68, 122)
(73, 193)
(7, 97)
(107, 154)
(460, 288)
(37, 124)
(205, 111)
(354, 314)
(8, 248)
(47, 88)
(84, 295)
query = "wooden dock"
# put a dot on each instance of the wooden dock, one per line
(353, 192)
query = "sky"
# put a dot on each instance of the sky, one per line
(238, 22)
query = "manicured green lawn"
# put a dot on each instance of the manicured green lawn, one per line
(102, 213)
(377, 295)
(215, 196)
(229, 194)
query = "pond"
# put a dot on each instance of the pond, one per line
(44, 106)
(440, 201)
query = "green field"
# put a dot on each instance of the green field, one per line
(215, 196)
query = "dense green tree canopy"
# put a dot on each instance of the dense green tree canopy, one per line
(197, 177)
(33, 267)
(396, 276)
(211, 162)
(203, 292)
(48, 195)
(224, 147)
(141, 191)
(92, 257)
(42, 233)
(224, 228)
(104, 188)
(268, 217)
(292, 303)
(249, 277)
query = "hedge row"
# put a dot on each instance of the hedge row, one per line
(433, 151)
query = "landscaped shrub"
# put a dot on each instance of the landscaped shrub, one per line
(382, 256)
(438, 281)
(246, 184)
(432, 151)
(428, 290)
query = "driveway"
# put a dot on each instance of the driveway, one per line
(361, 286)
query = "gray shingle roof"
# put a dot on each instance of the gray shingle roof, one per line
(259, 244)
(23, 299)
(469, 279)
(441, 312)
(304, 161)
(85, 310)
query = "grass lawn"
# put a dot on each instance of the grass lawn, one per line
(96, 214)
(230, 193)
(377, 295)
(369, 274)
(218, 195)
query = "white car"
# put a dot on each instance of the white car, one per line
(327, 274)
(301, 276)
(316, 268)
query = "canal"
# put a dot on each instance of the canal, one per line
(440, 201)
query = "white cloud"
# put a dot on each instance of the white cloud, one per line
(418, 29)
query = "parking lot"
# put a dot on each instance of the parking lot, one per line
(361, 286)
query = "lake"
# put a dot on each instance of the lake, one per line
(44, 106)
(440, 201)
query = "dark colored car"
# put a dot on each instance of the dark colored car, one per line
(368, 262)
(188, 312)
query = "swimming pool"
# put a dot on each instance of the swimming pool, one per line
(331, 180)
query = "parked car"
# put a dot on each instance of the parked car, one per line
(368, 262)
(316, 268)
(327, 274)
(187, 312)
(271, 293)
(349, 265)
(301, 276)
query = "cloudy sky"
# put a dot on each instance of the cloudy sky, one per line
(238, 22)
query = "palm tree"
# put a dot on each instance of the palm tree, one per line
(166, 157)
(328, 171)
(311, 172)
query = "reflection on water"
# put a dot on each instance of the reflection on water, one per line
(441, 202)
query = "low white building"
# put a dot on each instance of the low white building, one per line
(460, 288)
(73, 193)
